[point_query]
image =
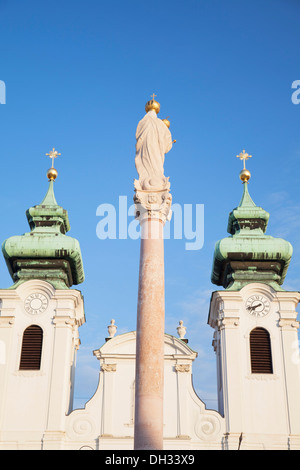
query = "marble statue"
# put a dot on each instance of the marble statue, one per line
(153, 141)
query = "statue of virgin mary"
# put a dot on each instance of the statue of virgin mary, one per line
(153, 141)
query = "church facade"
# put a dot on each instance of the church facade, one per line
(255, 338)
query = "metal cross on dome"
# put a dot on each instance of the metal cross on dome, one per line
(53, 154)
(244, 156)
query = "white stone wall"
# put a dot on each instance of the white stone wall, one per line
(34, 403)
(35, 406)
(107, 420)
(261, 411)
(264, 408)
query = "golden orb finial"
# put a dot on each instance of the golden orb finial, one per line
(166, 121)
(52, 172)
(245, 174)
(152, 104)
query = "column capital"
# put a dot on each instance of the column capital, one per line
(288, 324)
(153, 205)
(228, 322)
(108, 367)
(7, 321)
(183, 368)
(64, 322)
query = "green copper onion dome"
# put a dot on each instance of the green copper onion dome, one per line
(248, 254)
(46, 252)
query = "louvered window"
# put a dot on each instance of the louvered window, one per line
(260, 352)
(31, 348)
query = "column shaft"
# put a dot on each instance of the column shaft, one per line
(148, 432)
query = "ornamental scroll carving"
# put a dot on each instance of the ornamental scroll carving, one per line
(288, 323)
(109, 367)
(182, 367)
(208, 427)
(228, 322)
(153, 205)
(81, 426)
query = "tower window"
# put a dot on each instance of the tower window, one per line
(260, 352)
(31, 348)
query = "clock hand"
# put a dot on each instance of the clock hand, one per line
(255, 306)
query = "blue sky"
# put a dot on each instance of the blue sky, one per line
(77, 77)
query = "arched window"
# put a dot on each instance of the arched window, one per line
(260, 352)
(31, 348)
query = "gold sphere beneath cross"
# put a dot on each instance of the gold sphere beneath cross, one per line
(52, 174)
(152, 104)
(245, 175)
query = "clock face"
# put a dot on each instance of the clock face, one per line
(36, 303)
(258, 305)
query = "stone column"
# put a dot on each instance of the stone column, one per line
(152, 210)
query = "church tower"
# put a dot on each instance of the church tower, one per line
(255, 339)
(39, 320)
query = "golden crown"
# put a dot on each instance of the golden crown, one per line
(152, 104)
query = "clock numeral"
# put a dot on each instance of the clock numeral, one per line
(257, 305)
(35, 303)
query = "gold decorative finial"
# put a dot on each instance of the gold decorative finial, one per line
(52, 172)
(245, 174)
(152, 104)
(166, 121)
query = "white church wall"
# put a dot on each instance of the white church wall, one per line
(187, 424)
(258, 405)
(34, 402)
